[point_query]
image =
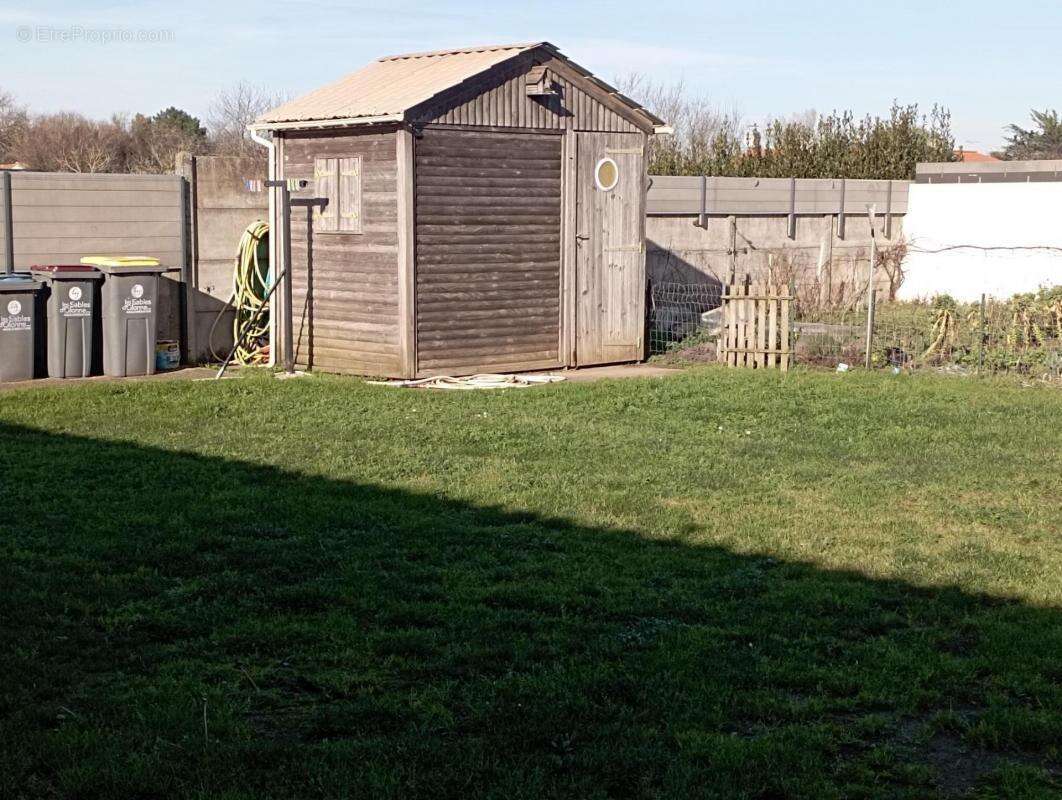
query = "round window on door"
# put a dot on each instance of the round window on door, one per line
(606, 174)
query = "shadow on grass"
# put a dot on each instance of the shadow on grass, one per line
(176, 625)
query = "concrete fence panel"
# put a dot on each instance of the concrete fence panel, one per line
(707, 230)
(59, 217)
(221, 208)
(684, 195)
(190, 221)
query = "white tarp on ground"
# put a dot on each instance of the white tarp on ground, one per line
(982, 215)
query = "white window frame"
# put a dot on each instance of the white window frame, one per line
(597, 174)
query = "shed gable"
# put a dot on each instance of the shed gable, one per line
(500, 98)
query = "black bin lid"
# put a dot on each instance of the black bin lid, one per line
(18, 282)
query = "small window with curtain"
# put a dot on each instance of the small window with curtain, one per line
(338, 180)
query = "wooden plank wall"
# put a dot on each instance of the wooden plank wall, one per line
(763, 196)
(610, 285)
(346, 315)
(488, 251)
(60, 217)
(502, 101)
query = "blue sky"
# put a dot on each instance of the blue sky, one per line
(764, 57)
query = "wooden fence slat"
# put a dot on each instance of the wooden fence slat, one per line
(724, 340)
(772, 333)
(787, 356)
(735, 342)
(743, 333)
(723, 343)
(750, 326)
(735, 324)
(728, 307)
(728, 317)
(731, 328)
(738, 326)
(761, 327)
(754, 315)
(746, 325)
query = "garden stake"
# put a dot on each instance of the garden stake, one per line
(872, 213)
(981, 339)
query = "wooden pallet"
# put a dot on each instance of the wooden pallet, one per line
(756, 326)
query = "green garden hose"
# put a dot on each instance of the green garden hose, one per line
(250, 292)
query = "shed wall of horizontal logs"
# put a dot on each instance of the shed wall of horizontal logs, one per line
(345, 286)
(488, 250)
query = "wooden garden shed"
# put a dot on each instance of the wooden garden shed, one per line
(486, 212)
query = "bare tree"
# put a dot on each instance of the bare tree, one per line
(13, 121)
(704, 132)
(69, 142)
(892, 259)
(232, 111)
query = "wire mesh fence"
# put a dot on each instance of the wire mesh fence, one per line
(684, 317)
(1021, 334)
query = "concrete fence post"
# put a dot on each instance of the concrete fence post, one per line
(733, 249)
(825, 265)
(792, 231)
(702, 218)
(9, 225)
(841, 218)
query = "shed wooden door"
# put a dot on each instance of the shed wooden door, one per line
(610, 248)
(488, 251)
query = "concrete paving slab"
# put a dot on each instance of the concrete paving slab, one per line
(584, 375)
(184, 374)
(613, 371)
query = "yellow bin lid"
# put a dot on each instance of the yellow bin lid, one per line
(120, 261)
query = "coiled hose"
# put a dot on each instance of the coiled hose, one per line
(250, 291)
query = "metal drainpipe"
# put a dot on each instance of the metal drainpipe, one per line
(274, 233)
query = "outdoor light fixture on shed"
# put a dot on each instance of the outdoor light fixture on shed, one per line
(538, 84)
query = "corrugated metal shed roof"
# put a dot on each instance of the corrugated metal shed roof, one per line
(388, 87)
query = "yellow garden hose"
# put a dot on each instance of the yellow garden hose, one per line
(250, 292)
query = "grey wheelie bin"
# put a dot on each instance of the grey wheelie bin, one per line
(70, 305)
(18, 326)
(129, 305)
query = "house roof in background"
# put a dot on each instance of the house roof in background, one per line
(974, 156)
(386, 89)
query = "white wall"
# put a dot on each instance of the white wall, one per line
(985, 215)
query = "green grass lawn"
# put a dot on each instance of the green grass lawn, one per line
(723, 584)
